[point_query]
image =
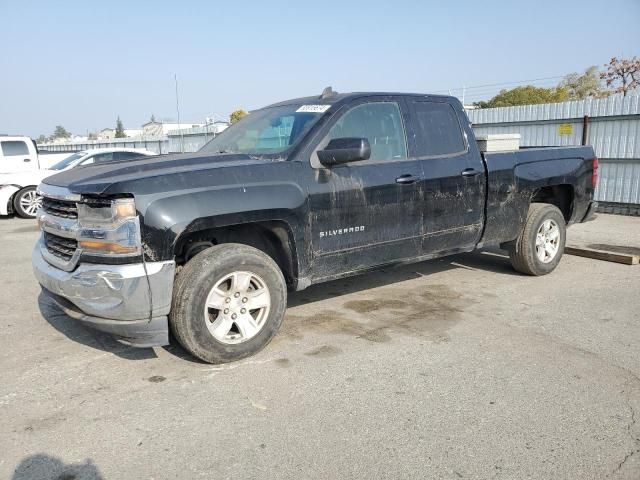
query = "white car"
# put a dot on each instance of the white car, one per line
(18, 189)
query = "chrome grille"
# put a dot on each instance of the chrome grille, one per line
(60, 208)
(61, 247)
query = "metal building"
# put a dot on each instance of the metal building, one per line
(611, 125)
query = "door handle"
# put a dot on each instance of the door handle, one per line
(407, 178)
(27, 160)
(470, 172)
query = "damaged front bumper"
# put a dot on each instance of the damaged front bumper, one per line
(130, 301)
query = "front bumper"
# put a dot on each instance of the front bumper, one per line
(123, 300)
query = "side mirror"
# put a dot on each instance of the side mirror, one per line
(344, 150)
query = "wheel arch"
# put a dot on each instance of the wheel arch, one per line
(273, 237)
(560, 195)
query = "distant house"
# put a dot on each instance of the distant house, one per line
(133, 132)
(110, 133)
(218, 126)
(107, 134)
(162, 128)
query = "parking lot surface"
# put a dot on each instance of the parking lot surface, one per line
(453, 368)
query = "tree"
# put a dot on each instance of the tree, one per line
(583, 86)
(92, 136)
(527, 95)
(119, 129)
(237, 115)
(60, 132)
(153, 118)
(623, 75)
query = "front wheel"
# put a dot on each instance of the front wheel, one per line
(539, 247)
(228, 303)
(26, 202)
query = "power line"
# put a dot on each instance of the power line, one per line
(499, 84)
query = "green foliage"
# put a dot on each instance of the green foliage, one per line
(119, 129)
(622, 74)
(237, 115)
(42, 139)
(60, 132)
(153, 118)
(527, 95)
(583, 86)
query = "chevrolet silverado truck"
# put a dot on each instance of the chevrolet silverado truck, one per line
(207, 244)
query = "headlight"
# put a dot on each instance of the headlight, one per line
(109, 228)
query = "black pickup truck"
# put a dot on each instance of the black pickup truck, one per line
(300, 192)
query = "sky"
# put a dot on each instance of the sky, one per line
(82, 64)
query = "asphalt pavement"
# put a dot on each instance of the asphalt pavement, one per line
(452, 368)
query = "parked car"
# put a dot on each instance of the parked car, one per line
(18, 189)
(297, 193)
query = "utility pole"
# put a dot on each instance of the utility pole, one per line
(175, 76)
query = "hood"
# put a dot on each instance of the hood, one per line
(106, 177)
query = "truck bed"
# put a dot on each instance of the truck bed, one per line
(515, 177)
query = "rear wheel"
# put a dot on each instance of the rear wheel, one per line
(26, 202)
(539, 247)
(229, 302)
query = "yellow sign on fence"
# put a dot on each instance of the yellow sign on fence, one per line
(565, 129)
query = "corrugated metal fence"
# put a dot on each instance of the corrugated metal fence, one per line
(176, 141)
(611, 125)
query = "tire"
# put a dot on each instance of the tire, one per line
(195, 326)
(524, 254)
(23, 202)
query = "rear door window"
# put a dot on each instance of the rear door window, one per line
(12, 148)
(437, 130)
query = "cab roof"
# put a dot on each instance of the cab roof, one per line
(334, 98)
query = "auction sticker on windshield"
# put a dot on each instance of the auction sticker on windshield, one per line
(313, 108)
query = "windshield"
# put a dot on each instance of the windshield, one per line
(66, 163)
(270, 130)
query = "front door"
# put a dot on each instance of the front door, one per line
(366, 213)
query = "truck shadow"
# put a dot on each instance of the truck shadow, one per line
(492, 260)
(85, 336)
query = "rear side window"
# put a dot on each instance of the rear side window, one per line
(438, 131)
(14, 147)
(103, 157)
(125, 155)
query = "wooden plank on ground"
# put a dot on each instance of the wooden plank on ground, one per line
(624, 258)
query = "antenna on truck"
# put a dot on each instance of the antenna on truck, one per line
(327, 93)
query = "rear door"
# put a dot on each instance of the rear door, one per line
(454, 183)
(17, 156)
(367, 212)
